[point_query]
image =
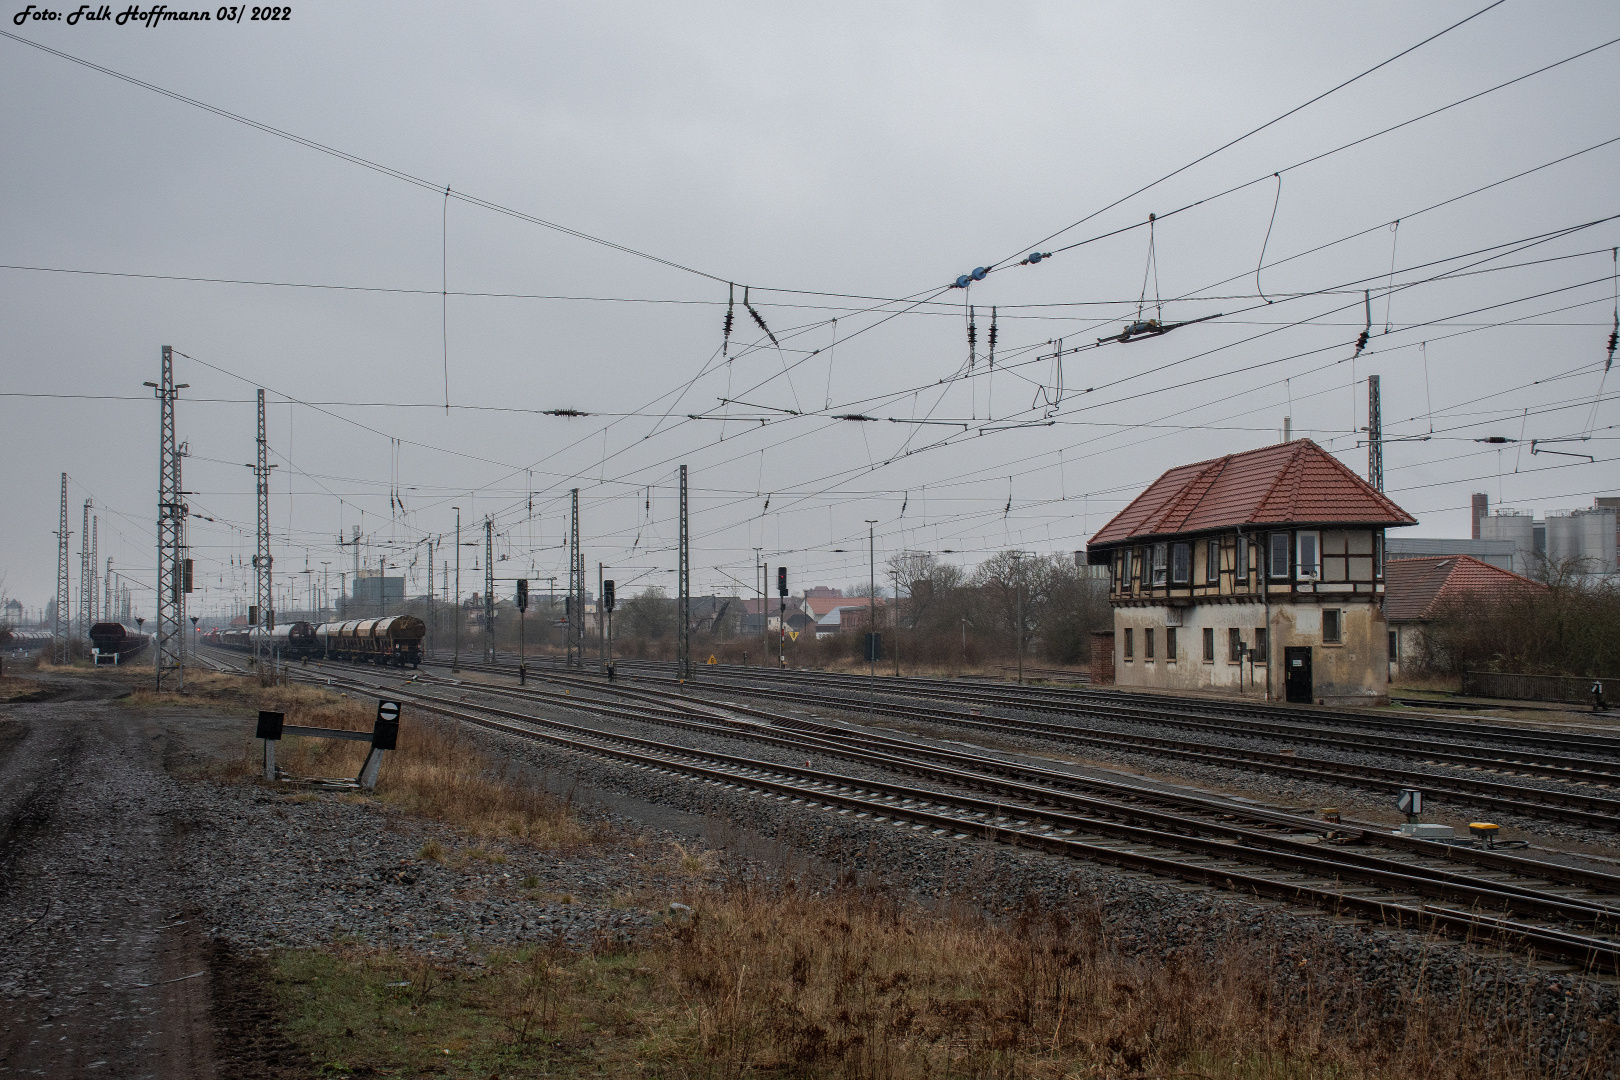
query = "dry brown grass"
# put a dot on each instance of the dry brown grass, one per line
(855, 985)
(436, 772)
(12, 689)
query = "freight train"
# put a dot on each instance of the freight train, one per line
(396, 641)
(116, 639)
(290, 641)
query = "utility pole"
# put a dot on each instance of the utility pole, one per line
(87, 589)
(601, 634)
(433, 625)
(455, 607)
(1375, 434)
(764, 629)
(169, 660)
(107, 612)
(489, 589)
(1018, 584)
(95, 562)
(871, 597)
(576, 588)
(262, 560)
(683, 605)
(60, 638)
(896, 574)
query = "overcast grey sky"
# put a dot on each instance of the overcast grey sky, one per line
(851, 152)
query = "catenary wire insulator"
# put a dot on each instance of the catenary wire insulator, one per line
(731, 303)
(758, 319)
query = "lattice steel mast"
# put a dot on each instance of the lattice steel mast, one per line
(95, 564)
(262, 561)
(59, 639)
(87, 589)
(683, 605)
(170, 659)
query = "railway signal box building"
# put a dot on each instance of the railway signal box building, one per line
(1260, 573)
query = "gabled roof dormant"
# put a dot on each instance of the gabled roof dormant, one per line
(1422, 588)
(1292, 483)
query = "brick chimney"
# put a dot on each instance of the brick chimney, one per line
(1482, 505)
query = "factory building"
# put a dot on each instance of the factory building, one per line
(1259, 574)
(1585, 540)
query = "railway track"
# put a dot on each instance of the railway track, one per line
(1411, 884)
(1574, 807)
(1151, 707)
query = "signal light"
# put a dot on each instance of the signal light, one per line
(608, 598)
(523, 595)
(781, 581)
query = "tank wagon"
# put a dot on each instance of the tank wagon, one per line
(116, 639)
(17, 640)
(290, 641)
(396, 640)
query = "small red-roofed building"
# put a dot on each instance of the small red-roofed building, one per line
(1419, 591)
(1260, 573)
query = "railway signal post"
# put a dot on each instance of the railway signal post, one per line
(523, 607)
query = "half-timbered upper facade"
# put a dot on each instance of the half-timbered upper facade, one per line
(1222, 564)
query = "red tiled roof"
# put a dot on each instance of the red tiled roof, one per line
(1292, 483)
(1421, 588)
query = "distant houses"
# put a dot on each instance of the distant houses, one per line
(1420, 591)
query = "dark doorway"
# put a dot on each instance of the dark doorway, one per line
(1297, 680)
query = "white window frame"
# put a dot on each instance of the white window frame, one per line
(1161, 564)
(1181, 564)
(1308, 569)
(1212, 562)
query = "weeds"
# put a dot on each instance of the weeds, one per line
(789, 983)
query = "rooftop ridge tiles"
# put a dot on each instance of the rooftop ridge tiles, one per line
(1288, 472)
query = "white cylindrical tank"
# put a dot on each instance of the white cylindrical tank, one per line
(1518, 527)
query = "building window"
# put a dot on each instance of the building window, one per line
(1378, 554)
(1181, 564)
(1394, 646)
(1262, 645)
(1332, 625)
(1279, 554)
(1147, 644)
(1209, 644)
(1242, 575)
(1130, 644)
(1125, 570)
(1308, 566)
(1170, 645)
(1212, 563)
(1234, 645)
(1161, 561)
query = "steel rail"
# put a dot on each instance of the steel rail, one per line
(1534, 802)
(1590, 952)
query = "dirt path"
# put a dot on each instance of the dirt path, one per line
(102, 971)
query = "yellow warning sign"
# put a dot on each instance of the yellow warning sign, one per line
(712, 660)
(794, 634)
